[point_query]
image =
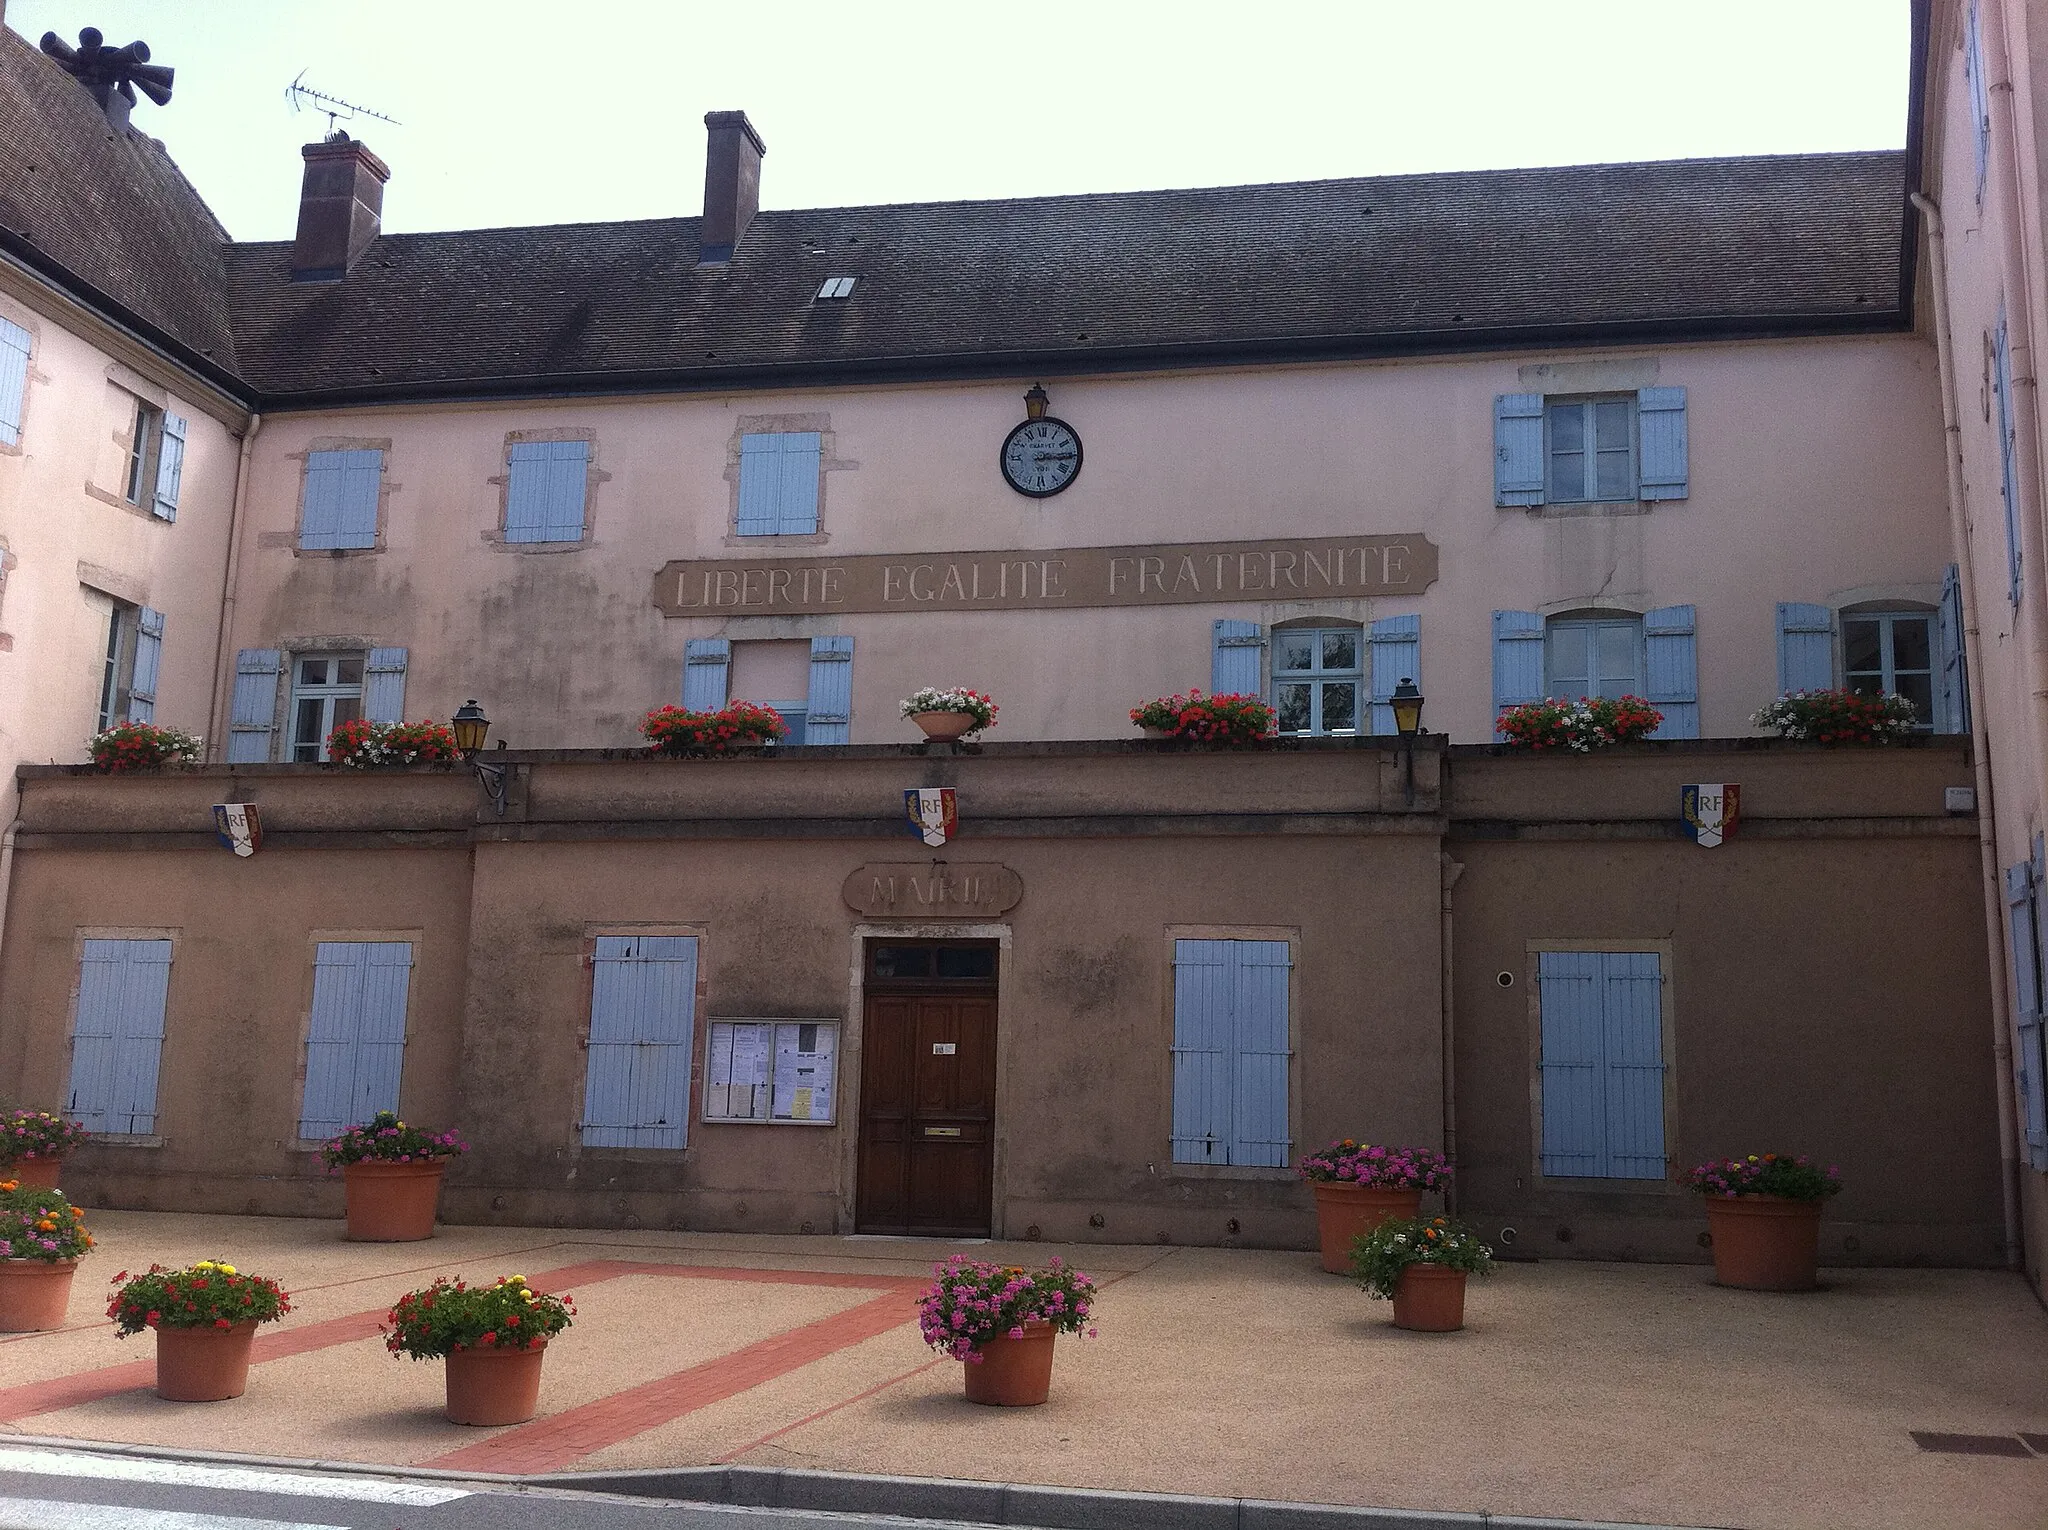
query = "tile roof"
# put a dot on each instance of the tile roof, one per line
(1500, 258)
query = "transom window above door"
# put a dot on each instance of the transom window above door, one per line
(1593, 658)
(327, 691)
(1318, 678)
(1891, 651)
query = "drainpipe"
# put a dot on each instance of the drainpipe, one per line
(217, 702)
(1452, 870)
(1980, 746)
(7, 854)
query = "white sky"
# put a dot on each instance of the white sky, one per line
(518, 111)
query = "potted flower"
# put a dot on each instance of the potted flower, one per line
(676, 732)
(1229, 719)
(1839, 717)
(141, 746)
(1421, 1263)
(366, 745)
(1591, 722)
(1000, 1322)
(950, 714)
(33, 1143)
(42, 1238)
(1358, 1185)
(493, 1338)
(1763, 1214)
(205, 1319)
(391, 1177)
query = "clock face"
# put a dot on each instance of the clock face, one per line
(1041, 457)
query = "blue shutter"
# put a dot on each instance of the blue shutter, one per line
(117, 1034)
(1396, 643)
(2022, 895)
(1517, 659)
(779, 483)
(1602, 1064)
(355, 1046)
(828, 710)
(1806, 647)
(170, 467)
(1234, 657)
(149, 648)
(252, 711)
(13, 381)
(636, 1090)
(1202, 1094)
(2001, 385)
(704, 669)
(1258, 1115)
(384, 685)
(1631, 1020)
(341, 499)
(545, 491)
(1954, 716)
(1518, 449)
(1980, 95)
(1660, 425)
(1673, 681)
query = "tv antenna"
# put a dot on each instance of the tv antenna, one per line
(299, 93)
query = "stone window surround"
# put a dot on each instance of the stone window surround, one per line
(828, 463)
(386, 487)
(1166, 1168)
(139, 390)
(502, 482)
(23, 318)
(1567, 379)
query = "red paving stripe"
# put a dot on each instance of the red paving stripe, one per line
(550, 1444)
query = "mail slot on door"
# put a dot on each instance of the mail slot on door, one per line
(943, 1048)
(942, 1131)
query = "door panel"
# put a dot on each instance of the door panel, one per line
(927, 1148)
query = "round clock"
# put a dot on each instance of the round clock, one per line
(1041, 457)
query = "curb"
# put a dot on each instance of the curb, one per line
(1022, 1505)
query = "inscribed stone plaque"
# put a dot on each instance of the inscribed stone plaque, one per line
(932, 889)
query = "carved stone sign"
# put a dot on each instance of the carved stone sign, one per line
(932, 889)
(1184, 573)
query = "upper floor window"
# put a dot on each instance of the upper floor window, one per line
(342, 492)
(1891, 651)
(1602, 657)
(14, 349)
(546, 484)
(1590, 449)
(779, 483)
(1318, 678)
(117, 674)
(1614, 448)
(327, 691)
(143, 444)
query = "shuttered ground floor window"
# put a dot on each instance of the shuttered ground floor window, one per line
(1602, 1029)
(1230, 1052)
(355, 1043)
(117, 1034)
(643, 1007)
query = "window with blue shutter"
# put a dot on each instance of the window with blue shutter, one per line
(2008, 458)
(1230, 1052)
(2030, 1063)
(1318, 678)
(1593, 656)
(643, 1004)
(384, 685)
(1396, 643)
(705, 663)
(1589, 450)
(341, 499)
(355, 1044)
(1954, 716)
(13, 381)
(170, 467)
(1517, 659)
(1234, 658)
(1806, 647)
(1980, 95)
(1518, 449)
(1666, 458)
(779, 483)
(1671, 665)
(252, 709)
(828, 709)
(1602, 1064)
(117, 1035)
(544, 491)
(149, 648)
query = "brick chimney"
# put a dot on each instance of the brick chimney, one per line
(732, 185)
(341, 208)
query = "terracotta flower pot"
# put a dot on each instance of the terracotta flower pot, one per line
(203, 1364)
(944, 727)
(392, 1202)
(37, 1173)
(34, 1293)
(1430, 1299)
(1765, 1242)
(494, 1386)
(1345, 1211)
(1012, 1373)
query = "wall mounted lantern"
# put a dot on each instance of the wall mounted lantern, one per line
(1407, 704)
(471, 728)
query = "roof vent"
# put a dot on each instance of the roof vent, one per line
(732, 185)
(112, 74)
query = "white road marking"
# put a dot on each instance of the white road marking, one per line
(65, 1463)
(42, 1514)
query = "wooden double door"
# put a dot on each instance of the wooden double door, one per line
(928, 1091)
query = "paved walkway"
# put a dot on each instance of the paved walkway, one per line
(1617, 1392)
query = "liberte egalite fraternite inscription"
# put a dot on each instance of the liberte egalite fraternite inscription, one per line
(1183, 573)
